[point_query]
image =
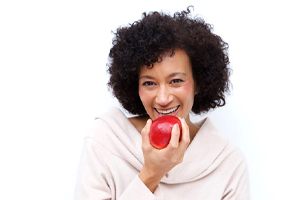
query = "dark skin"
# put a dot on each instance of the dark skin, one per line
(168, 88)
(159, 162)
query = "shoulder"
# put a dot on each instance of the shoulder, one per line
(111, 114)
(112, 125)
(230, 164)
(110, 120)
(225, 150)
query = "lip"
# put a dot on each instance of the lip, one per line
(174, 113)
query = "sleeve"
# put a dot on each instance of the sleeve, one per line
(95, 181)
(137, 189)
(92, 181)
(238, 188)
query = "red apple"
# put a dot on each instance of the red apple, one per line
(160, 130)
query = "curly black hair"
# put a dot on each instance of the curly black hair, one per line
(144, 42)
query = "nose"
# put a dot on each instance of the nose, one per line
(163, 96)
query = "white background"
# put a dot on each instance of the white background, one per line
(53, 57)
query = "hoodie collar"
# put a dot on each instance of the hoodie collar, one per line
(203, 155)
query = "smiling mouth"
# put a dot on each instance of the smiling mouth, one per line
(166, 111)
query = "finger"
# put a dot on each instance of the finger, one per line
(185, 137)
(145, 133)
(174, 141)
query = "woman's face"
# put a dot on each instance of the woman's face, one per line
(168, 88)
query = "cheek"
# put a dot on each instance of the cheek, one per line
(187, 95)
(141, 94)
(188, 89)
(144, 96)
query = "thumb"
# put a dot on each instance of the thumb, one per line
(145, 133)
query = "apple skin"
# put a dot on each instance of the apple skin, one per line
(160, 130)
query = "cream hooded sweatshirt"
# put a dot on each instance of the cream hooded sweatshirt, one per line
(212, 169)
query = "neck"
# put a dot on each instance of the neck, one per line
(192, 127)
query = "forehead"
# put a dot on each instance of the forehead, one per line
(178, 62)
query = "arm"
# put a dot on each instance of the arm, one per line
(158, 162)
(238, 188)
(92, 183)
(96, 183)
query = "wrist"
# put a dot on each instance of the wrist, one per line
(151, 180)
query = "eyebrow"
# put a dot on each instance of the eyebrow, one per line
(170, 76)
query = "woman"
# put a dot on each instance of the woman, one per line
(163, 65)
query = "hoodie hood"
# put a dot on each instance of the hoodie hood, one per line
(117, 136)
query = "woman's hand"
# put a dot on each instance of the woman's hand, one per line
(158, 162)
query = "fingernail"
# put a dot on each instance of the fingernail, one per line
(176, 126)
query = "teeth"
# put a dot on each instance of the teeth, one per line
(165, 112)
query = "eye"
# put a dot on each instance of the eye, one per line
(176, 81)
(148, 83)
